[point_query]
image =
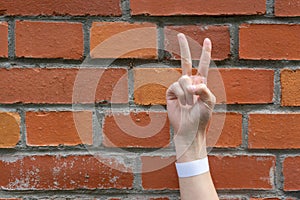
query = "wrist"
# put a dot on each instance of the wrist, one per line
(187, 151)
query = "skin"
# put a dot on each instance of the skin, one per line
(190, 104)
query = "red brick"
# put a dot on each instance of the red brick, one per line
(227, 128)
(240, 170)
(219, 36)
(291, 173)
(274, 131)
(269, 41)
(290, 87)
(9, 129)
(58, 85)
(147, 130)
(123, 40)
(60, 7)
(242, 86)
(61, 172)
(36, 39)
(159, 173)
(9, 199)
(59, 128)
(197, 7)
(287, 8)
(3, 39)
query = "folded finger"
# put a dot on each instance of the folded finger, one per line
(176, 92)
(185, 82)
(204, 94)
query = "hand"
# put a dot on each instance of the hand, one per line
(190, 103)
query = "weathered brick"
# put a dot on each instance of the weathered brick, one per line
(9, 129)
(240, 170)
(159, 173)
(242, 86)
(274, 131)
(269, 41)
(37, 39)
(3, 39)
(219, 36)
(59, 128)
(123, 40)
(291, 172)
(227, 128)
(141, 129)
(60, 7)
(197, 7)
(290, 87)
(60, 86)
(287, 8)
(61, 172)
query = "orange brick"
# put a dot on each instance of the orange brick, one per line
(9, 129)
(159, 173)
(274, 131)
(269, 41)
(242, 86)
(61, 172)
(240, 170)
(228, 126)
(219, 36)
(60, 7)
(36, 39)
(58, 85)
(147, 130)
(123, 40)
(287, 8)
(291, 173)
(197, 7)
(3, 39)
(59, 128)
(290, 87)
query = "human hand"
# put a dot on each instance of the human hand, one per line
(190, 103)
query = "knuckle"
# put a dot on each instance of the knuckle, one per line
(185, 79)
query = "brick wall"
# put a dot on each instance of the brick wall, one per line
(74, 74)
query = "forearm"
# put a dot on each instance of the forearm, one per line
(195, 187)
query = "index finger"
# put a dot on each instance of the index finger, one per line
(205, 58)
(186, 60)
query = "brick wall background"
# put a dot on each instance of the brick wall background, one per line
(43, 44)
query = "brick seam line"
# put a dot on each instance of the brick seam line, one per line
(245, 121)
(277, 88)
(270, 8)
(11, 39)
(257, 108)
